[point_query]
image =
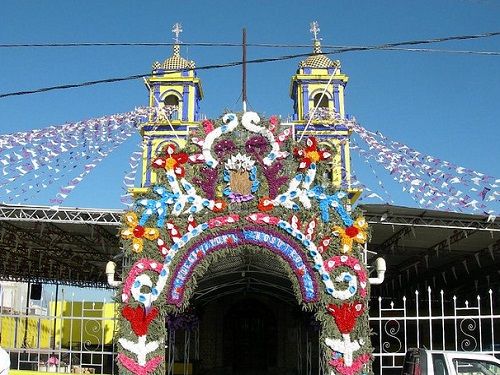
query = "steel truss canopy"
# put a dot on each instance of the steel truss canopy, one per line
(453, 251)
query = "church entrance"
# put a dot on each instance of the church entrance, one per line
(244, 319)
(250, 337)
(256, 334)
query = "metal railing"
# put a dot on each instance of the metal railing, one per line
(77, 336)
(433, 321)
(59, 335)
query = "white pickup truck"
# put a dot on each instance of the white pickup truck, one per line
(434, 362)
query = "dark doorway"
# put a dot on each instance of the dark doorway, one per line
(250, 337)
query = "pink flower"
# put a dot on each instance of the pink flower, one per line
(358, 363)
(273, 123)
(136, 368)
(208, 126)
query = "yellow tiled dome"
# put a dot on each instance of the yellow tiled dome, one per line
(175, 62)
(318, 60)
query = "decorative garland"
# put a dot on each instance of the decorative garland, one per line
(250, 191)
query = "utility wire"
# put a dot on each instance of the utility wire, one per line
(226, 44)
(434, 50)
(255, 61)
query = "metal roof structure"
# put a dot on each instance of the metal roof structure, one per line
(458, 252)
(64, 245)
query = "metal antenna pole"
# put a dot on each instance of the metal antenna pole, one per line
(244, 72)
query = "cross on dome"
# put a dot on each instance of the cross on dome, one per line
(314, 29)
(177, 29)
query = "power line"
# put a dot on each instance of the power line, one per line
(434, 50)
(259, 61)
(328, 48)
(228, 44)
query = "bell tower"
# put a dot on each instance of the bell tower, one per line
(175, 93)
(317, 91)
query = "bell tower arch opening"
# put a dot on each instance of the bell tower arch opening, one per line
(321, 101)
(171, 100)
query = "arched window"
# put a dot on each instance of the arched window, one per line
(171, 100)
(171, 105)
(323, 103)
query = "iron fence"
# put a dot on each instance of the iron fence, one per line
(59, 335)
(78, 336)
(433, 321)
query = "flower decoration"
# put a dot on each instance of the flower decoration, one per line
(356, 366)
(311, 154)
(233, 160)
(208, 126)
(223, 147)
(257, 145)
(265, 204)
(273, 123)
(219, 205)
(139, 319)
(345, 315)
(172, 161)
(137, 233)
(136, 368)
(188, 321)
(240, 174)
(354, 233)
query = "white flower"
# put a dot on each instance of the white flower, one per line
(239, 162)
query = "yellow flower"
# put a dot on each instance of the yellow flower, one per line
(355, 233)
(170, 163)
(136, 232)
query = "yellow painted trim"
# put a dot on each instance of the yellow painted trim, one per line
(306, 77)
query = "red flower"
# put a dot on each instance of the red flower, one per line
(139, 231)
(172, 161)
(345, 316)
(138, 318)
(310, 154)
(351, 231)
(265, 204)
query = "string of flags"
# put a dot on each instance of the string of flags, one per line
(64, 155)
(61, 156)
(432, 182)
(130, 177)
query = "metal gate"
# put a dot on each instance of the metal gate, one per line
(58, 335)
(434, 321)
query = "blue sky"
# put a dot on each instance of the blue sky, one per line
(445, 105)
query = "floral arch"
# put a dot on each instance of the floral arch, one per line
(242, 182)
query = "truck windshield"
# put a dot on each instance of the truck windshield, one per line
(467, 366)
